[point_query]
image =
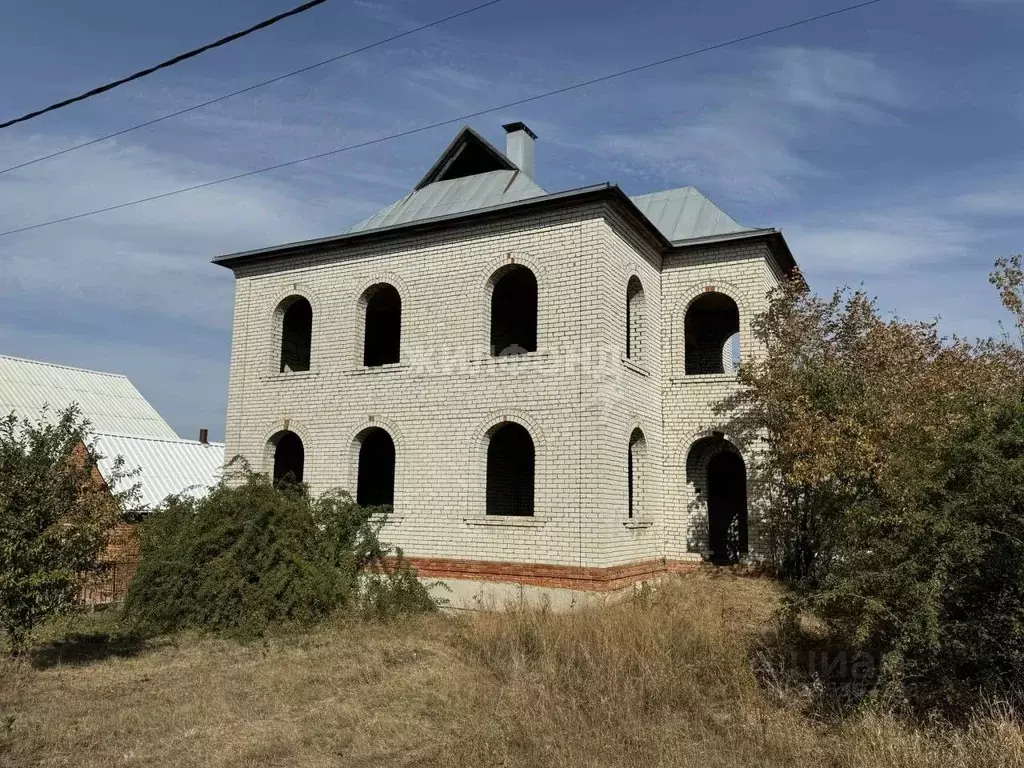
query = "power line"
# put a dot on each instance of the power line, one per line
(253, 87)
(459, 119)
(164, 64)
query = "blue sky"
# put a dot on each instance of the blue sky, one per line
(885, 143)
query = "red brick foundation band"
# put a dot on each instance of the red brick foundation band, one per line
(552, 576)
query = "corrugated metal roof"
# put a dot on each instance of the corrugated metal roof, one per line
(453, 196)
(108, 400)
(165, 466)
(685, 213)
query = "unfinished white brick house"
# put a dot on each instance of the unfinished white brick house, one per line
(527, 377)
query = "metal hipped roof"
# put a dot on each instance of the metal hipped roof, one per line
(165, 467)
(453, 196)
(109, 401)
(685, 213)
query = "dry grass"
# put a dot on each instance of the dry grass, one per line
(660, 681)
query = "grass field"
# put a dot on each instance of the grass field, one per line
(665, 680)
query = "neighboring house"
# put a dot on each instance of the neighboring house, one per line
(122, 423)
(109, 400)
(165, 467)
(529, 378)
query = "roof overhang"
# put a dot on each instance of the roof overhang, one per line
(609, 193)
(606, 192)
(771, 237)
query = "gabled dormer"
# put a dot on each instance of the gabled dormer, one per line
(469, 154)
(471, 174)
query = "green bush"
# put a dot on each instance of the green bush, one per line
(250, 555)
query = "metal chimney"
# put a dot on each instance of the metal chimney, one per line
(519, 143)
(204, 435)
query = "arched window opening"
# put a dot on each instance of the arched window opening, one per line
(510, 471)
(289, 458)
(636, 461)
(375, 485)
(710, 322)
(296, 334)
(382, 339)
(514, 312)
(635, 320)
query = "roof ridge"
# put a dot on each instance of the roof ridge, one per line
(158, 439)
(64, 367)
(684, 188)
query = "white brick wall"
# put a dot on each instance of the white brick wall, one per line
(576, 394)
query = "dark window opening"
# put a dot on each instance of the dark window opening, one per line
(296, 335)
(727, 507)
(635, 468)
(514, 313)
(382, 340)
(711, 321)
(289, 458)
(510, 471)
(634, 319)
(375, 486)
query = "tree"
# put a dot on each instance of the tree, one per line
(894, 474)
(56, 513)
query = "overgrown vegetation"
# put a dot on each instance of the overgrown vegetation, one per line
(894, 475)
(662, 680)
(56, 514)
(250, 555)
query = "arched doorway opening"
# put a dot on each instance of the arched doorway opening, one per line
(718, 513)
(727, 507)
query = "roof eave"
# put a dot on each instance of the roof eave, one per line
(234, 260)
(771, 236)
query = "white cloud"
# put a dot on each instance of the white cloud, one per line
(878, 242)
(836, 83)
(746, 151)
(134, 290)
(153, 256)
(747, 133)
(1005, 201)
